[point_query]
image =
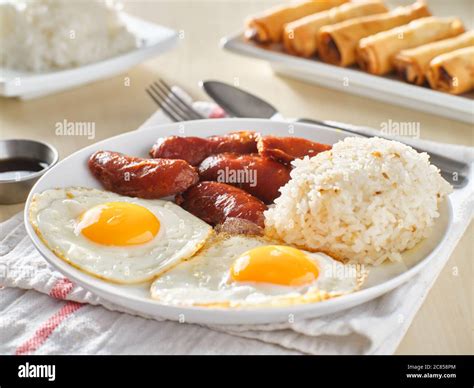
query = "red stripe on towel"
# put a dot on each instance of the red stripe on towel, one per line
(47, 328)
(60, 290)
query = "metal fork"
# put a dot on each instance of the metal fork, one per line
(173, 105)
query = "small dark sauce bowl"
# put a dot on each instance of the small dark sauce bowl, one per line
(16, 156)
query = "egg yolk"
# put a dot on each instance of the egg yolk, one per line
(276, 264)
(119, 223)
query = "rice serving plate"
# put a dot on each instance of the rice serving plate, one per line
(381, 279)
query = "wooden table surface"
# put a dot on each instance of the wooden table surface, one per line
(444, 323)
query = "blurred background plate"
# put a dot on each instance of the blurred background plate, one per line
(352, 80)
(153, 40)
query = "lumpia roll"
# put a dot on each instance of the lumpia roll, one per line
(337, 43)
(299, 37)
(412, 64)
(453, 72)
(268, 27)
(376, 52)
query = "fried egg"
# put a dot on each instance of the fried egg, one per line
(242, 271)
(113, 237)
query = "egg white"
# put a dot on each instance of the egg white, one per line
(54, 215)
(204, 280)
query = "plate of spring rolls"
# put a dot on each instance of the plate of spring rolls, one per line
(404, 55)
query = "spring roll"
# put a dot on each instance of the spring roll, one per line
(299, 37)
(376, 52)
(337, 43)
(412, 64)
(268, 27)
(453, 72)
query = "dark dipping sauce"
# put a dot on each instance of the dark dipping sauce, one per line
(17, 168)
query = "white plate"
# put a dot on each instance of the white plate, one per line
(73, 171)
(353, 80)
(153, 40)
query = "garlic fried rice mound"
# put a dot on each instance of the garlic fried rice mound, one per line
(366, 200)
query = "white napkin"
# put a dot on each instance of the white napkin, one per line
(34, 323)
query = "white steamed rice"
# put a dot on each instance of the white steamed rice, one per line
(40, 35)
(366, 200)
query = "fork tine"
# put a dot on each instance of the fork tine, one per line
(188, 107)
(158, 102)
(166, 103)
(172, 102)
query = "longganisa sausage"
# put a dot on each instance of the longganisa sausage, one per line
(195, 149)
(258, 176)
(286, 149)
(214, 202)
(143, 178)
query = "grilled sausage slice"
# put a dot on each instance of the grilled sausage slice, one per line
(286, 149)
(258, 176)
(191, 149)
(144, 178)
(240, 142)
(195, 149)
(214, 202)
